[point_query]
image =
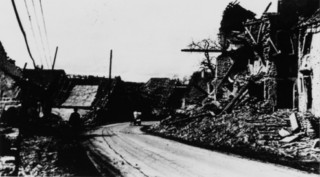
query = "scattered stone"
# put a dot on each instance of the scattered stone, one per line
(264, 134)
(294, 122)
(316, 145)
(291, 138)
(284, 133)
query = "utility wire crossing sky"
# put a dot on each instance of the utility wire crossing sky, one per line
(146, 36)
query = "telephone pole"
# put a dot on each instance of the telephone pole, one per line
(110, 69)
(110, 64)
(54, 60)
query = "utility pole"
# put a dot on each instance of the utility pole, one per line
(23, 32)
(110, 64)
(110, 69)
(54, 60)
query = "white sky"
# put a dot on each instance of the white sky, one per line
(146, 35)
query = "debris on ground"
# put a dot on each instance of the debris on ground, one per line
(250, 107)
(247, 133)
(52, 156)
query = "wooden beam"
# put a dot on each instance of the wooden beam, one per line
(202, 50)
(267, 8)
(260, 31)
(235, 99)
(223, 79)
(274, 46)
(249, 33)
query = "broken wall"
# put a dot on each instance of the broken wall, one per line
(308, 81)
(315, 59)
(9, 89)
(223, 65)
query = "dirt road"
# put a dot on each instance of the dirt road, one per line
(124, 150)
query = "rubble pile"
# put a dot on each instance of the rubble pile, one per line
(33, 140)
(251, 107)
(39, 157)
(248, 132)
(53, 156)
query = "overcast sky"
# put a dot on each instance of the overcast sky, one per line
(146, 35)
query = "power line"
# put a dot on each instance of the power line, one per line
(40, 33)
(23, 32)
(45, 30)
(33, 33)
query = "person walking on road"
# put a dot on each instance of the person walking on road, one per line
(74, 119)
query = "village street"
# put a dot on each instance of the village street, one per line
(124, 150)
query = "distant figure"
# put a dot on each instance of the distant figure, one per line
(136, 114)
(136, 118)
(74, 119)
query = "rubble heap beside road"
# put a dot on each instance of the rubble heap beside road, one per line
(53, 156)
(248, 132)
(262, 101)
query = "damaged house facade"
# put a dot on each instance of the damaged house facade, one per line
(274, 58)
(308, 81)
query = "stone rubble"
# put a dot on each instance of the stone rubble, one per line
(246, 132)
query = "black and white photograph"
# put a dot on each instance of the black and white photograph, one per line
(160, 88)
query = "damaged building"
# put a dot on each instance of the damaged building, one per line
(46, 93)
(263, 97)
(308, 82)
(272, 58)
(101, 97)
(9, 84)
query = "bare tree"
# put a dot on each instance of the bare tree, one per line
(206, 45)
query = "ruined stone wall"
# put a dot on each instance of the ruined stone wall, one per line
(303, 98)
(315, 63)
(270, 85)
(223, 65)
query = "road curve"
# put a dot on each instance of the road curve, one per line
(124, 150)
